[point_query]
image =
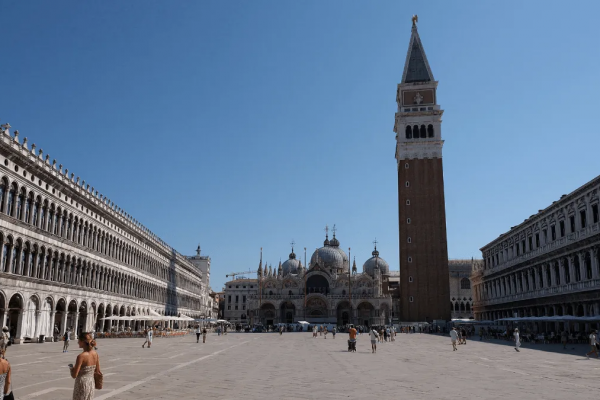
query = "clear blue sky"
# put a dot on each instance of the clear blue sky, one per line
(243, 124)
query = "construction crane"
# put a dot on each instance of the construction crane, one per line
(234, 274)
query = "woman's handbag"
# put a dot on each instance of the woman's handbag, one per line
(98, 378)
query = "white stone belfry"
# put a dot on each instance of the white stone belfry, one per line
(419, 118)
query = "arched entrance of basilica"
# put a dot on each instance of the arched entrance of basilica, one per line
(316, 310)
(288, 312)
(268, 314)
(344, 313)
(366, 313)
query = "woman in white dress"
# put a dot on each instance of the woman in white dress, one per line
(517, 339)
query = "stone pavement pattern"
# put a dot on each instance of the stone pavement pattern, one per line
(297, 366)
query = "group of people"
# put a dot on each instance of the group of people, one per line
(321, 330)
(459, 336)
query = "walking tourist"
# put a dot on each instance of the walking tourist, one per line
(281, 330)
(148, 333)
(593, 343)
(453, 338)
(315, 331)
(333, 332)
(563, 339)
(66, 340)
(374, 336)
(4, 341)
(55, 333)
(198, 332)
(204, 335)
(517, 340)
(325, 331)
(463, 333)
(86, 365)
(4, 378)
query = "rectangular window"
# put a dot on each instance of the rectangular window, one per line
(582, 218)
(229, 301)
(236, 307)
(237, 298)
(523, 246)
(229, 307)
(595, 212)
(553, 232)
(244, 299)
(244, 307)
(562, 228)
(518, 250)
(537, 240)
(572, 223)
(530, 240)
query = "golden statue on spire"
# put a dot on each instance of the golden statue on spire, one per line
(415, 19)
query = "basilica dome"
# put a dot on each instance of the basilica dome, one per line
(369, 265)
(292, 265)
(330, 256)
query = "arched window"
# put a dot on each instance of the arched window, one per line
(3, 188)
(50, 217)
(462, 306)
(455, 306)
(20, 203)
(10, 205)
(430, 130)
(28, 204)
(415, 130)
(423, 133)
(468, 307)
(408, 132)
(465, 283)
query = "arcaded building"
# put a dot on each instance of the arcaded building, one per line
(424, 286)
(71, 257)
(547, 265)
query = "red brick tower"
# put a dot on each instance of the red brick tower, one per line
(424, 279)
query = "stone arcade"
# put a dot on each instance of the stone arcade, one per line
(70, 256)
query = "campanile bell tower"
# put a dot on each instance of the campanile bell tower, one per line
(424, 279)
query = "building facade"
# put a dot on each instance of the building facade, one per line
(547, 265)
(328, 291)
(424, 286)
(237, 296)
(71, 257)
(461, 295)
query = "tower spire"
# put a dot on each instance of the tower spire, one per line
(416, 67)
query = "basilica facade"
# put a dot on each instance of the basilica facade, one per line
(328, 290)
(70, 257)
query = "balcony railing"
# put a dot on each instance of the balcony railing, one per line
(555, 245)
(330, 296)
(573, 287)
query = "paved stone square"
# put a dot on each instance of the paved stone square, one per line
(297, 366)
